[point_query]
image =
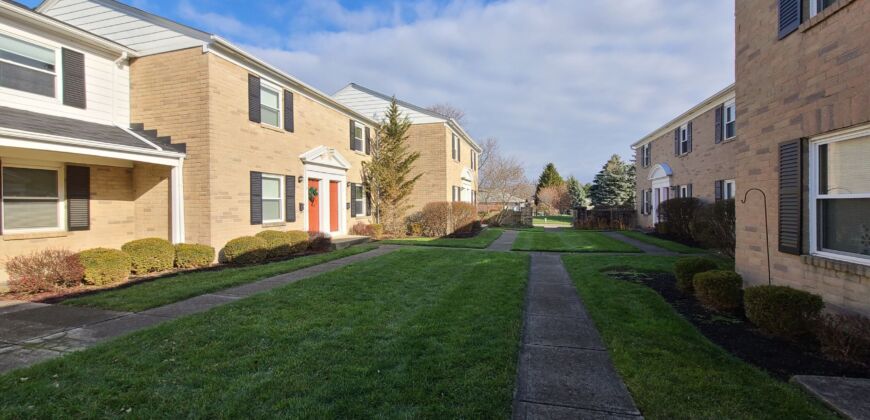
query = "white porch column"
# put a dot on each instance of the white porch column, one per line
(176, 178)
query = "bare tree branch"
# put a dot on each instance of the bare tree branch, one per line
(449, 111)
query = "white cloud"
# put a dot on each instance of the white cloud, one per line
(555, 80)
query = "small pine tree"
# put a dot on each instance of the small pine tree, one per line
(577, 193)
(387, 177)
(614, 185)
(549, 178)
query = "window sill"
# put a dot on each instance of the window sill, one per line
(273, 224)
(272, 127)
(828, 12)
(359, 153)
(836, 265)
(35, 235)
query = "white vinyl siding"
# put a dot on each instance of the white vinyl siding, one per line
(32, 198)
(273, 198)
(375, 106)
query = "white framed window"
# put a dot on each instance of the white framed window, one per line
(27, 67)
(456, 147)
(729, 189)
(273, 198)
(816, 6)
(32, 198)
(646, 155)
(270, 104)
(729, 120)
(684, 191)
(684, 139)
(359, 200)
(840, 196)
(359, 137)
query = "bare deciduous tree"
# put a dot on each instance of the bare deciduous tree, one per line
(449, 111)
(501, 179)
(555, 197)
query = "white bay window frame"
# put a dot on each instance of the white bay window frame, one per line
(59, 169)
(816, 197)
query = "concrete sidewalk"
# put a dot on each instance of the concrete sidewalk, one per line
(643, 246)
(564, 368)
(504, 242)
(33, 332)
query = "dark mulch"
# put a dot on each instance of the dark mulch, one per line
(733, 332)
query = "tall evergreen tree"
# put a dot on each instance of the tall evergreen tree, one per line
(577, 193)
(549, 178)
(614, 184)
(387, 178)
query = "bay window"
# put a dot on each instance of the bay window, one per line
(273, 198)
(26, 66)
(840, 196)
(31, 199)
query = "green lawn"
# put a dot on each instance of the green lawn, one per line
(671, 369)
(569, 240)
(558, 220)
(481, 241)
(663, 243)
(433, 336)
(167, 290)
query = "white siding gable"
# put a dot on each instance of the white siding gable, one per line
(140, 31)
(107, 85)
(374, 106)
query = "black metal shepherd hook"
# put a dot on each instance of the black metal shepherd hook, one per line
(766, 228)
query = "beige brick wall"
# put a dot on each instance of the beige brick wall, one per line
(707, 163)
(456, 167)
(151, 194)
(429, 140)
(813, 81)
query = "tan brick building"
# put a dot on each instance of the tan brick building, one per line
(690, 156)
(802, 82)
(448, 155)
(264, 150)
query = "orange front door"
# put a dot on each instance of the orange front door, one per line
(313, 205)
(333, 206)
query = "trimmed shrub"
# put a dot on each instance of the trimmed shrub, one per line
(463, 218)
(676, 216)
(319, 242)
(415, 229)
(781, 310)
(150, 255)
(44, 271)
(361, 229)
(245, 250)
(714, 226)
(298, 241)
(435, 218)
(105, 266)
(718, 289)
(686, 268)
(278, 244)
(377, 230)
(193, 255)
(845, 337)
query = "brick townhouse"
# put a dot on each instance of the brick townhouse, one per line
(264, 149)
(690, 156)
(74, 174)
(448, 154)
(803, 94)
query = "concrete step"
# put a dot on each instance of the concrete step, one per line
(348, 241)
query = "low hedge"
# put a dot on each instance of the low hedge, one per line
(44, 271)
(245, 250)
(686, 268)
(193, 255)
(278, 243)
(105, 266)
(298, 241)
(150, 255)
(718, 289)
(781, 310)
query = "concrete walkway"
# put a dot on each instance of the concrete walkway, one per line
(643, 246)
(848, 396)
(504, 242)
(33, 332)
(564, 369)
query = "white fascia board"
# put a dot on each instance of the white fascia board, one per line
(717, 99)
(229, 49)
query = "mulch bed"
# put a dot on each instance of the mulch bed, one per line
(734, 333)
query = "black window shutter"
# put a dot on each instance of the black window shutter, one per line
(718, 190)
(290, 198)
(288, 111)
(458, 149)
(689, 137)
(254, 98)
(368, 204)
(353, 198)
(73, 78)
(352, 136)
(791, 196)
(689, 190)
(78, 197)
(453, 144)
(256, 198)
(677, 142)
(368, 141)
(789, 16)
(720, 113)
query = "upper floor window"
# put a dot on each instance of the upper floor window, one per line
(27, 67)
(457, 148)
(729, 116)
(684, 139)
(840, 197)
(270, 105)
(816, 6)
(359, 137)
(645, 155)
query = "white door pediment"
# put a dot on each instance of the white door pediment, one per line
(661, 170)
(325, 156)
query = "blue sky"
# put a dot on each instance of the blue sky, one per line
(563, 81)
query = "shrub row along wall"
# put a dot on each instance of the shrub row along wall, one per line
(691, 221)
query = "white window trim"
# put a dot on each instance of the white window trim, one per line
(362, 138)
(456, 151)
(265, 84)
(58, 64)
(362, 198)
(725, 185)
(281, 198)
(815, 196)
(814, 8)
(684, 139)
(684, 191)
(733, 106)
(61, 193)
(646, 155)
